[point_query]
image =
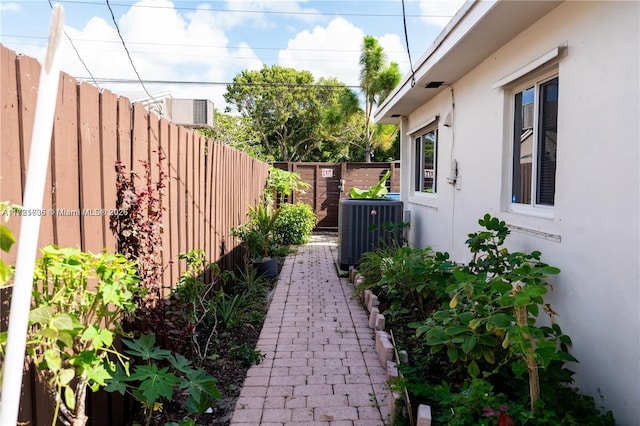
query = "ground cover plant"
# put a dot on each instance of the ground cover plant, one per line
(484, 346)
(205, 329)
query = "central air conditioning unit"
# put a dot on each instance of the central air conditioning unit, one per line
(365, 225)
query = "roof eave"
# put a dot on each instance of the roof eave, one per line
(468, 39)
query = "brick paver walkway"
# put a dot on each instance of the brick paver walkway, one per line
(321, 367)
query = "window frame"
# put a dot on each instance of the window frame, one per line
(537, 81)
(418, 144)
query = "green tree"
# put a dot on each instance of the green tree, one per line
(237, 132)
(287, 108)
(377, 79)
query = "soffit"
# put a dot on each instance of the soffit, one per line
(478, 30)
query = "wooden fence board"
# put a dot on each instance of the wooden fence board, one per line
(173, 210)
(91, 182)
(163, 146)
(109, 149)
(215, 200)
(139, 143)
(124, 132)
(66, 190)
(181, 212)
(201, 191)
(11, 160)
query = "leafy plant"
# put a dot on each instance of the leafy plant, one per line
(246, 355)
(257, 234)
(229, 310)
(281, 183)
(378, 190)
(139, 231)
(160, 374)
(250, 281)
(191, 298)
(294, 224)
(6, 241)
(496, 300)
(475, 355)
(79, 300)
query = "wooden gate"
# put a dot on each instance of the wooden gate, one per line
(332, 181)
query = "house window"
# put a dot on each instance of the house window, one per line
(535, 141)
(426, 161)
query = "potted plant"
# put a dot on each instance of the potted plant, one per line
(257, 238)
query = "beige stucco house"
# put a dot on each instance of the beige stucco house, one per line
(529, 111)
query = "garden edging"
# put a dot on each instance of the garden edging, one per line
(385, 351)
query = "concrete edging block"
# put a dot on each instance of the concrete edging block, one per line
(373, 314)
(365, 298)
(424, 415)
(373, 302)
(379, 322)
(384, 348)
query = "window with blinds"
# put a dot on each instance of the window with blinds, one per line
(426, 161)
(535, 141)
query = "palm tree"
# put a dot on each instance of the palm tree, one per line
(377, 79)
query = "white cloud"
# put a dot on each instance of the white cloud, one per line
(164, 44)
(395, 50)
(331, 51)
(10, 7)
(439, 12)
(334, 51)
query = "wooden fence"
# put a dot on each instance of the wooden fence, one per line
(331, 181)
(208, 185)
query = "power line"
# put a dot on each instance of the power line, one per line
(204, 46)
(406, 38)
(127, 50)
(77, 53)
(273, 12)
(106, 80)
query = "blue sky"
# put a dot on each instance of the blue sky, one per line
(211, 41)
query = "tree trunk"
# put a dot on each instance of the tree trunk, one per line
(532, 365)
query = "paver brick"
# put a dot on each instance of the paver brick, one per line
(276, 415)
(320, 359)
(314, 401)
(335, 413)
(305, 390)
(274, 402)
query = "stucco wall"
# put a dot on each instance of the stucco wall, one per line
(596, 212)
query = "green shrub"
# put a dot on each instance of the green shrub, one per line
(479, 355)
(294, 224)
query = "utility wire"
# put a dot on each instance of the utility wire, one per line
(222, 83)
(203, 46)
(406, 38)
(78, 53)
(273, 12)
(113, 17)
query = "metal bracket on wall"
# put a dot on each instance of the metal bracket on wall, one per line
(535, 233)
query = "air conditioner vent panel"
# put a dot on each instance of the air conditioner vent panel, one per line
(361, 227)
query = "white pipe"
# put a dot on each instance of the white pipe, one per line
(30, 224)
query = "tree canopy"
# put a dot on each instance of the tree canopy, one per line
(377, 79)
(290, 111)
(287, 115)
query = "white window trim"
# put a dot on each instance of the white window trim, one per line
(531, 66)
(413, 131)
(422, 198)
(536, 210)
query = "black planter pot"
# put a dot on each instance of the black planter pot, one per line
(267, 267)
